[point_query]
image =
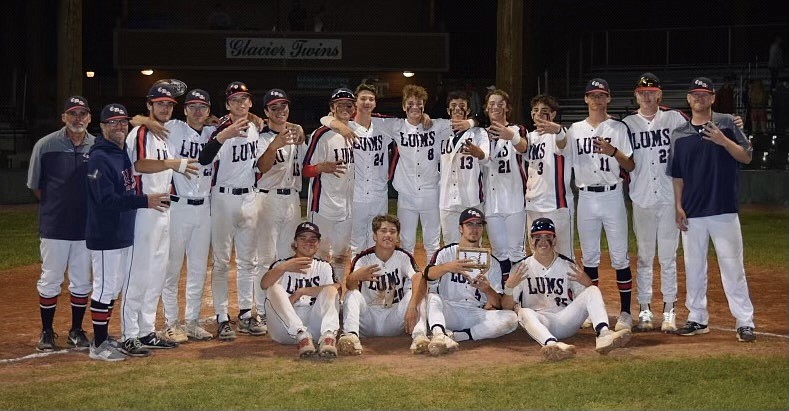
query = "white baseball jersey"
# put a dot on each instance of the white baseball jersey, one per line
(651, 142)
(319, 274)
(186, 142)
(461, 174)
(597, 169)
(505, 177)
(371, 161)
(455, 287)
(286, 171)
(140, 144)
(549, 171)
(395, 279)
(329, 195)
(416, 160)
(547, 288)
(236, 163)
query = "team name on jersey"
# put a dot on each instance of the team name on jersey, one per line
(426, 139)
(279, 156)
(545, 285)
(302, 282)
(586, 145)
(372, 143)
(651, 138)
(192, 151)
(244, 152)
(536, 151)
(504, 152)
(344, 154)
(389, 281)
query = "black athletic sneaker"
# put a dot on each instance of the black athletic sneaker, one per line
(692, 328)
(153, 341)
(134, 348)
(47, 341)
(745, 334)
(78, 339)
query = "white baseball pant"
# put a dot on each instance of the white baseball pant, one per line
(285, 320)
(56, 256)
(143, 287)
(724, 229)
(563, 221)
(190, 233)
(480, 322)
(335, 240)
(233, 219)
(605, 210)
(362, 215)
(653, 225)
(278, 218)
(544, 325)
(410, 210)
(110, 270)
(506, 233)
(377, 321)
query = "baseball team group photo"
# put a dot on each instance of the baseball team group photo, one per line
(402, 244)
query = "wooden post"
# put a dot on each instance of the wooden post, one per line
(69, 51)
(509, 53)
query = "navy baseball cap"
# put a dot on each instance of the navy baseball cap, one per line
(648, 82)
(701, 84)
(472, 214)
(74, 103)
(342, 93)
(275, 95)
(161, 92)
(236, 87)
(597, 85)
(307, 227)
(197, 96)
(114, 111)
(543, 226)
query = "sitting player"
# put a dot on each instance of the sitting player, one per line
(555, 296)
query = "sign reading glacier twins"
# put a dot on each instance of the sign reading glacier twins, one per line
(279, 48)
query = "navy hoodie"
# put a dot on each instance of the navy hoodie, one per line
(112, 198)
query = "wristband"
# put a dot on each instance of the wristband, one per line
(516, 139)
(561, 135)
(182, 166)
(615, 151)
(508, 290)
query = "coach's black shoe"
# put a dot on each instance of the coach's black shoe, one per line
(745, 334)
(153, 341)
(134, 348)
(692, 328)
(47, 341)
(78, 339)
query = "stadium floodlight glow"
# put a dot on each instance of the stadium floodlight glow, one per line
(408, 73)
(90, 74)
(146, 72)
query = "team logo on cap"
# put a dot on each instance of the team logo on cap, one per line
(701, 83)
(598, 84)
(77, 101)
(164, 91)
(277, 94)
(474, 213)
(118, 110)
(198, 95)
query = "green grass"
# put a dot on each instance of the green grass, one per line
(738, 382)
(19, 243)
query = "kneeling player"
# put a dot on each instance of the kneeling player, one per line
(302, 298)
(463, 298)
(553, 297)
(379, 301)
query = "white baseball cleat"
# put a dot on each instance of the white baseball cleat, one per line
(420, 344)
(441, 344)
(196, 332)
(609, 340)
(306, 347)
(587, 323)
(624, 322)
(176, 333)
(558, 351)
(645, 319)
(327, 347)
(669, 322)
(350, 344)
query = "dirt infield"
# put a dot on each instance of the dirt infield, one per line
(19, 305)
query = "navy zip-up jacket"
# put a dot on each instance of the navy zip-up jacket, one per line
(112, 198)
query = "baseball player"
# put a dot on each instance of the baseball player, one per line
(505, 183)
(652, 193)
(601, 146)
(58, 166)
(704, 162)
(463, 153)
(380, 300)
(190, 216)
(302, 298)
(552, 296)
(153, 170)
(279, 185)
(548, 190)
(329, 164)
(233, 149)
(462, 297)
(112, 201)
